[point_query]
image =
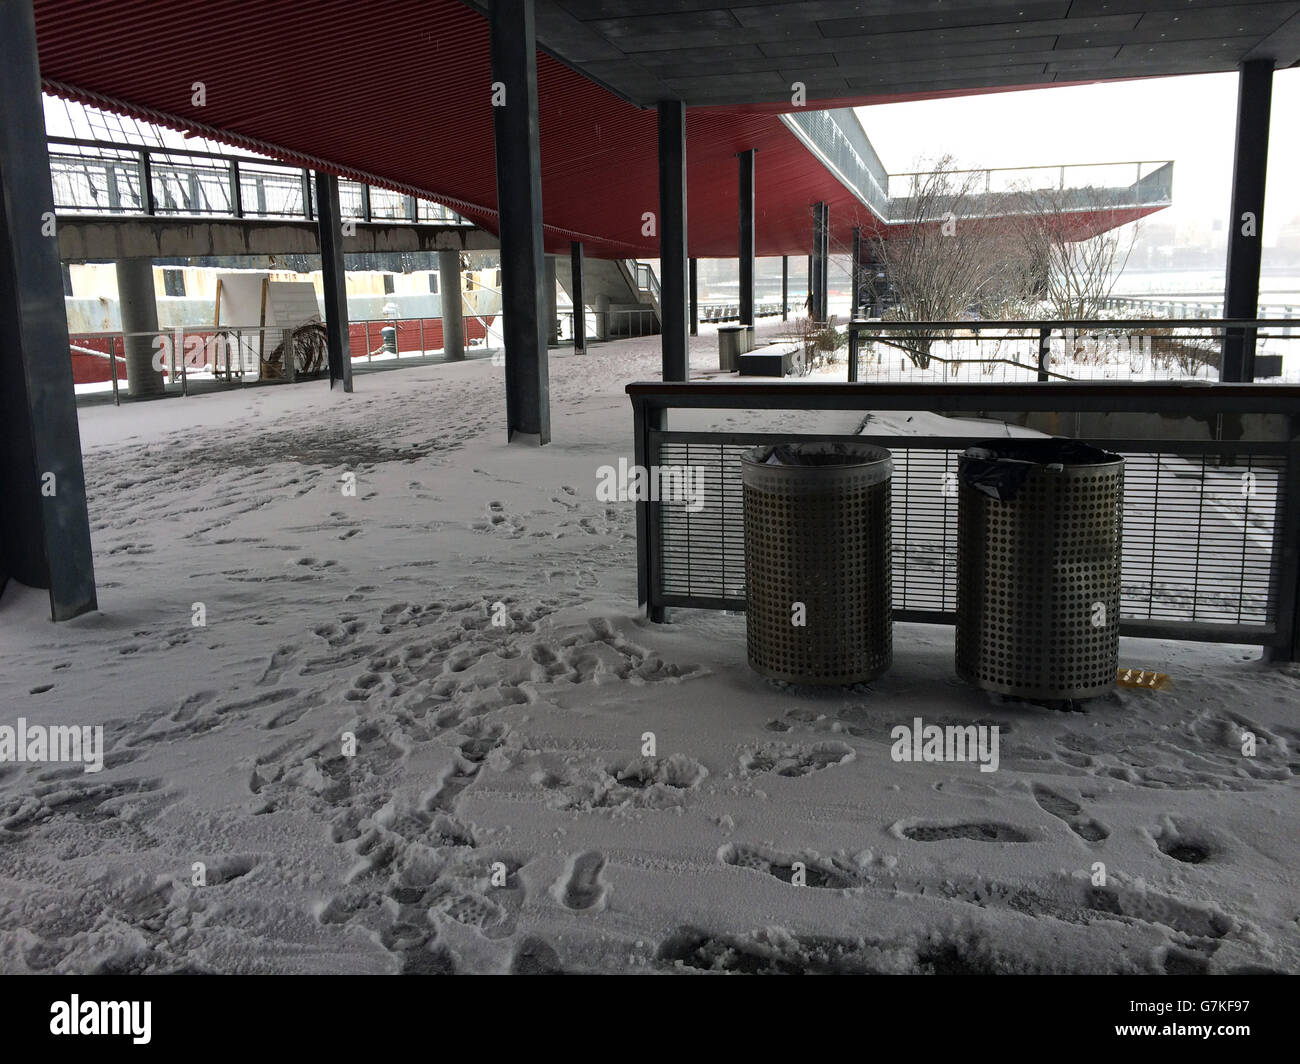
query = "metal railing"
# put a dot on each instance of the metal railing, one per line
(836, 139)
(107, 178)
(1063, 350)
(1181, 305)
(1211, 526)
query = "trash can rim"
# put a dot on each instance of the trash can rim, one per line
(842, 455)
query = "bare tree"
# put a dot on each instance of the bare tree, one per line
(945, 260)
(1078, 254)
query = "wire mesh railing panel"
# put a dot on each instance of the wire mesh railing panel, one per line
(1201, 529)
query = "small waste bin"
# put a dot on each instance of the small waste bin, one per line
(389, 337)
(732, 343)
(1039, 540)
(817, 561)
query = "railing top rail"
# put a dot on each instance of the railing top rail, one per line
(1183, 397)
(156, 149)
(1128, 324)
(1037, 166)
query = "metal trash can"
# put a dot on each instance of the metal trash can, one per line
(731, 345)
(817, 551)
(1039, 541)
(389, 337)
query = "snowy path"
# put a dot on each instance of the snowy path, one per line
(498, 813)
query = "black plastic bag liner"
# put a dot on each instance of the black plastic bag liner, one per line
(999, 467)
(820, 454)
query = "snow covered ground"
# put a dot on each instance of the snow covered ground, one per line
(498, 814)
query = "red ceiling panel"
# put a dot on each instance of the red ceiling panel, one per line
(400, 94)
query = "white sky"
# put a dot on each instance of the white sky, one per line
(1189, 119)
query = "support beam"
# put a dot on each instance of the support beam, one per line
(746, 201)
(449, 295)
(138, 308)
(333, 280)
(820, 259)
(1246, 220)
(576, 267)
(672, 240)
(552, 307)
(44, 523)
(856, 273)
(513, 48)
(785, 287)
(695, 297)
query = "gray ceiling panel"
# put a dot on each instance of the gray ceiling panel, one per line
(748, 51)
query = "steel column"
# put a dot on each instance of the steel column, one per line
(519, 201)
(746, 201)
(1246, 220)
(695, 296)
(821, 254)
(785, 287)
(856, 273)
(333, 279)
(44, 524)
(576, 267)
(552, 311)
(672, 240)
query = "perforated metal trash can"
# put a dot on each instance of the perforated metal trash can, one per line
(817, 550)
(1039, 539)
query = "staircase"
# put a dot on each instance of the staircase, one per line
(631, 287)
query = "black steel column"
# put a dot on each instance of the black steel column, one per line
(821, 255)
(856, 273)
(333, 280)
(785, 287)
(746, 200)
(44, 525)
(1245, 223)
(672, 240)
(579, 303)
(519, 205)
(695, 297)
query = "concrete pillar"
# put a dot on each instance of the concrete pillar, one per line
(513, 48)
(334, 280)
(453, 325)
(139, 311)
(577, 284)
(746, 202)
(672, 240)
(552, 308)
(602, 316)
(1246, 220)
(44, 525)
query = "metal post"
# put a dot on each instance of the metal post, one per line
(552, 312)
(366, 214)
(333, 280)
(820, 260)
(746, 201)
(146, 183)
(785, 287)
(1044, 353)
(306, 194)
(853, 351)
(1246, 220)
(236, 192)
(576, 286)
(856, 273)
(672, 240)
(112, 368)
(513, 47)
(45, 530)
(695, 296)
